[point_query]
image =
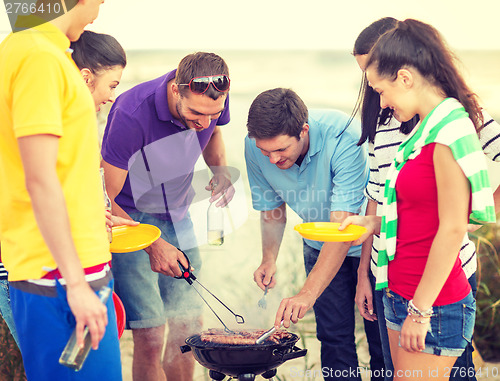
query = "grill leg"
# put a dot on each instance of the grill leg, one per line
(217, 376)
(269, 374)
(246, 377)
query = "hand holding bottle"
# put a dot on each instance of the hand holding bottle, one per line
(221, 189)
(73, 355)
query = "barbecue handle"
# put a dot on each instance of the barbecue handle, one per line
(185, 348)
(296, 353)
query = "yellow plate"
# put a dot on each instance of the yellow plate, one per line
(131, 238)
(329, 232)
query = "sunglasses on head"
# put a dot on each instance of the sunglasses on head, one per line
(199, 85)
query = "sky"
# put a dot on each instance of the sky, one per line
(283, 24)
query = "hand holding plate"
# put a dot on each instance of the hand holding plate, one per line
(371, 224)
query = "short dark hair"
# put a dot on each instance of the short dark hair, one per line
(97, 52)
(200, 64)
(276, 112)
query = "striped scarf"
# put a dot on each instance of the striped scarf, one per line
(446, 125)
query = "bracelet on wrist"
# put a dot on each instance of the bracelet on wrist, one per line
(412, 310)
(419, 321)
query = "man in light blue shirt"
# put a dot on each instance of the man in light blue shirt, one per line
(312, 163)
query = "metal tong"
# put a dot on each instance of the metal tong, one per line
(266, 334)
(188, 275)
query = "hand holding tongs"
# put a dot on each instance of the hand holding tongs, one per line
(266, 334)
(188, 275)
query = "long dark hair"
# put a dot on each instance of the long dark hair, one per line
(373, 116)
(369, 36)
(368, 100)
(415, 44)
(97, 52)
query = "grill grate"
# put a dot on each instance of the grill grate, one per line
(196, 341)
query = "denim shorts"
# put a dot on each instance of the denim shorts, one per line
(151, 298)
(6, 309)
(451, 325)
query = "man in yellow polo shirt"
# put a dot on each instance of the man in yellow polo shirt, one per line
(52, 224)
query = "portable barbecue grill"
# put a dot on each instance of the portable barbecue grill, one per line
(243, 362)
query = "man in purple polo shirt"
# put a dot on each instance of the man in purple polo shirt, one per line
(156, 132)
